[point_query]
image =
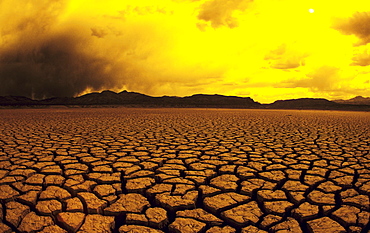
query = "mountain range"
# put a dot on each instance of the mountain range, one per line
(358, 100)
(134, 99)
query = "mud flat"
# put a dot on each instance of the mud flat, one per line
(184, 170)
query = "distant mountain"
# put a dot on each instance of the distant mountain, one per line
(138, 99)
(110, 97)
(16, 100)
(134, 99)
(358, 100)
(304, 103)
(315, 104)
(219, 100)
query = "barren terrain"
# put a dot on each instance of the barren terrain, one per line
(184, 170)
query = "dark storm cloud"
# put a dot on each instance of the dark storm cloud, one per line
(56, 66)
(39, 58)
(50, 49)
(358, 25)
(43, 54)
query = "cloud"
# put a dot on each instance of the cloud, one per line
(358, 25)
(56, 66)
(285, 58)
(48, 51)
(221, 12)
(322, 79)
(43, 54)
(145, 10)
(361, 59)
(67, 47)
(331, 83)
(99, 32)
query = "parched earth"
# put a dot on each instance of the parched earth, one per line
(184, 170)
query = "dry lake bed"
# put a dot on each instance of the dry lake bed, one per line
(184, 170)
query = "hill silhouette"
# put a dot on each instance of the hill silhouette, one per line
(304, 103)
(134, 99)
(358, 100)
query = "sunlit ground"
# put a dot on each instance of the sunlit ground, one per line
(182, 170)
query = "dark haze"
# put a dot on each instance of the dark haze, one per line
(55, 67)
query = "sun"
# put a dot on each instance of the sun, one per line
(311, 11)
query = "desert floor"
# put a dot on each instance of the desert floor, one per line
(184, 170)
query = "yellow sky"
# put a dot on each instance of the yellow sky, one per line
(264, 49)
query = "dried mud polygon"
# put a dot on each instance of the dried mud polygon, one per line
(184, 170)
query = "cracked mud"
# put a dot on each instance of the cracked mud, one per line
(184, 170)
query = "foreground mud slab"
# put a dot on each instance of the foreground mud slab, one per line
(184, 170)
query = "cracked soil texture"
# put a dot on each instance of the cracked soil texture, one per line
(184, 170)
